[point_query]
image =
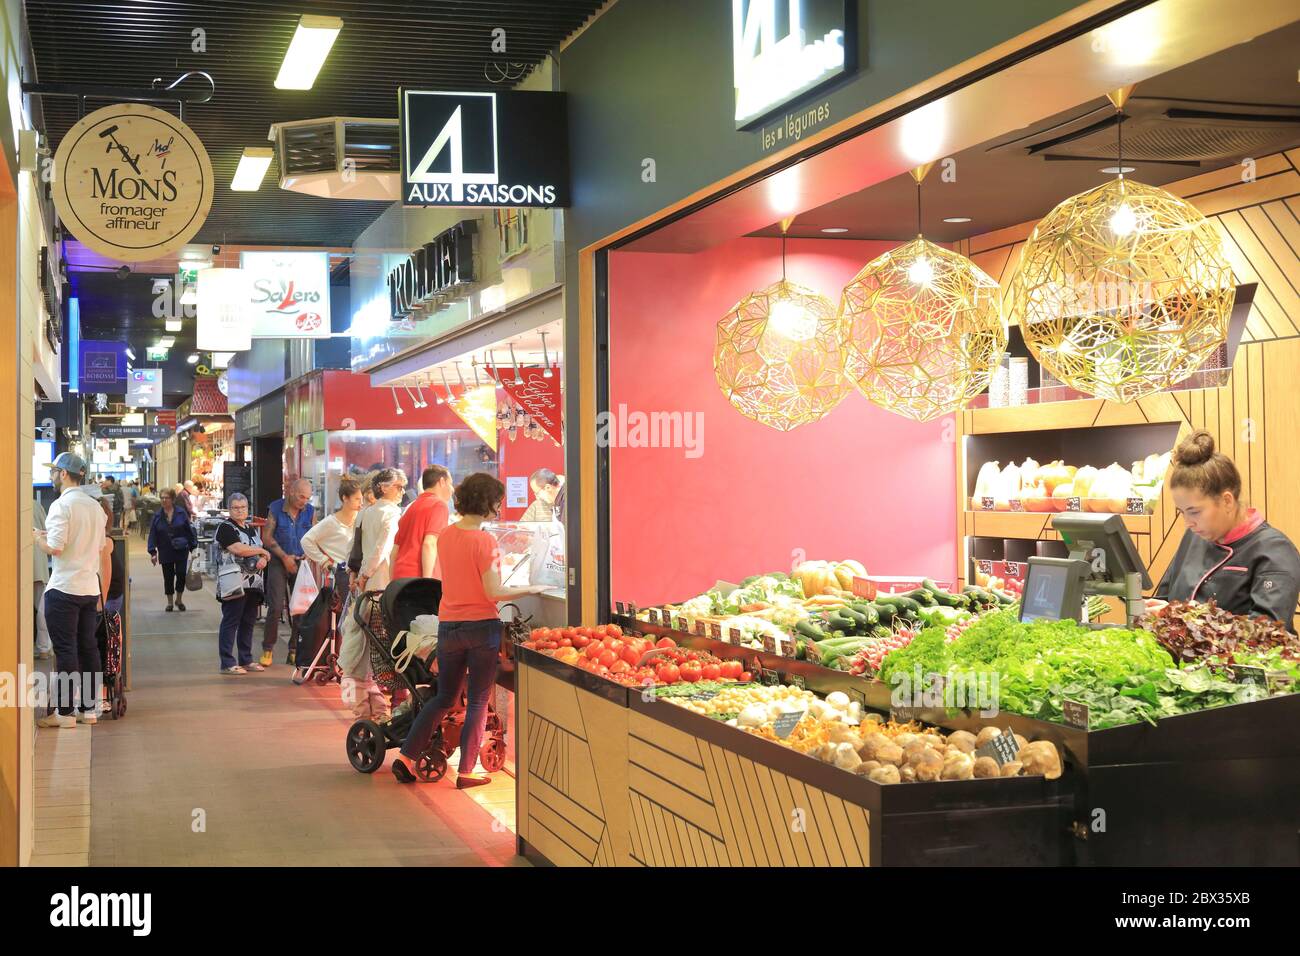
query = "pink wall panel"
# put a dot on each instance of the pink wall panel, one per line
(860, 483)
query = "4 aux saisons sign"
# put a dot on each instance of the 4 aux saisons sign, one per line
(483, 149)
(132, 182)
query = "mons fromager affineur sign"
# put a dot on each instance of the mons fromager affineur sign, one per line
(132, 182)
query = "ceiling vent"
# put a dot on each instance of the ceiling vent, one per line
(339, 158)
(1166, 131)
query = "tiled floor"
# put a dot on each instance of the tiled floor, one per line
(216, 770)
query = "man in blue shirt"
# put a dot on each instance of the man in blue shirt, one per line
(287, 520)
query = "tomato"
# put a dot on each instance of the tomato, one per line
(594, 650)
(607, 658)
(630, 654)
(666, 642)
(565, 642)
(691, 672)
(613, 630)
(620, 667)
(580, 640)
(731, 670)
(668, 673)
(531, 645)
(746, 676)
(710, 672)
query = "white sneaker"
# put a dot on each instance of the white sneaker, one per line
(88, 717)
(255, 666)
(233, 670)
(57, 720)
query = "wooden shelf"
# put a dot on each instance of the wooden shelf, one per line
(1083, 413)
(1032, 525)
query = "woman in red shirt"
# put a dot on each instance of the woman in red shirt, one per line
(469, 628)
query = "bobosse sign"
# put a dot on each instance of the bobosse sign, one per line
(132, 182)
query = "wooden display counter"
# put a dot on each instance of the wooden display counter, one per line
(609, 777)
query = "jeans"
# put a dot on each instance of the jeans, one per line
(472, 646)
(174, 574)
(72, 619)
(278, 583)
(237, 619)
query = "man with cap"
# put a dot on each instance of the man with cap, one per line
(74, 538)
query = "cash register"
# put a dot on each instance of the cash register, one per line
(1102, 561)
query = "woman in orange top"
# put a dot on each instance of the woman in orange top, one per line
(469, 628)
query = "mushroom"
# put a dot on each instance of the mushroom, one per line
(889, 752)
(958, 766)
(964, 740)
(870, 743)
(928, 765)
(986, 767)
(867, 766)
(906, 740)
(846, 758)
(985, 735)
(1011, 768)
(907, 775)
(1021, 742)
(1041, 757)
(886, 774)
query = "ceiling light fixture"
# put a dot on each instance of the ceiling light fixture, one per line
(167, 341)
(445, 386)
(130, 353)
(172, 325)
(397, 403)
(307, 51)
(546, 360)
(518, 378)
(956, 219)
(252, 168)
(1116, 170)
(834, 230)
(193, 358)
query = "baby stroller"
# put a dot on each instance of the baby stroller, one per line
(381, 619)
(109, 635)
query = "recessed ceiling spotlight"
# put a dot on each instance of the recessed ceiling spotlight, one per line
(834, 230)
(1117, 170)
(193, 358)
(958, 219)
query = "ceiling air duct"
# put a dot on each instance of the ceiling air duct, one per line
(339, 158)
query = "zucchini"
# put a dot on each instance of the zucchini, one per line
(870, 611)
(858, 616)
(902, 602)
(945, 599)
(885, 613)
(808, 629)
(922, 597)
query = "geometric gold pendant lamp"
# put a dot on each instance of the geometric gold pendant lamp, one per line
(1123, 290)
(923, 328)
(777, 356)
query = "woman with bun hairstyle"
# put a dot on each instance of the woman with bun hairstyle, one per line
(1230, 554)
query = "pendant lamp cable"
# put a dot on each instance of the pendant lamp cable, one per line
(918, 207)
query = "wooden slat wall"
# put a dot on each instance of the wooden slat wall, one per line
(1255, 417)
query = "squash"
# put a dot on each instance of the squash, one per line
(1053, 474)
(1083, 479)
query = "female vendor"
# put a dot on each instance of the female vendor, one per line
(1229, 553)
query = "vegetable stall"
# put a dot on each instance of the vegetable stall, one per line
(930, 726)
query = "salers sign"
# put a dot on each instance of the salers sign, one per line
(782, 49)
(437, 271)
(483, 149)
(132, 182)
(289, 294)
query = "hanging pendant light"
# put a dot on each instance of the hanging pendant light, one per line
(1123, 290)
(922, 326)
(396, 401)
(514, 361)
(778, 357)
(546, 360)
(445, 386)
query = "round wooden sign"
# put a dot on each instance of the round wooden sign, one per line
(132, 182)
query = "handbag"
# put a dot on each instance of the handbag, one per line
(230, 579)
(194, 580)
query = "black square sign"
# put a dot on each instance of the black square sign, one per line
(484, 149)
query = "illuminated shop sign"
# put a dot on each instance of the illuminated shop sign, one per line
(484, 149)
(783, 49)
(289, 294)
(439, 270)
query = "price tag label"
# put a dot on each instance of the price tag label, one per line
(1017, 505)
(902, 715)
(1073, 504)
(674, 620)
(985, 567)
(735, 636)
(864, 588)
(1075, 714)
(1279, 682)
(794, 680)
(620, 607)
(699, 627)
(1002, 748)
(632, 609)
(715, 630)
(856, 693)
(987, 503)
(652, 615)
(769, 644)
(789, 647)
(1244, 674)
(1135, 506)
(771, 678)
(1013, 568)
(784, 725)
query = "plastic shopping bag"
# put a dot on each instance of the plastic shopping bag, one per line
(305, 590)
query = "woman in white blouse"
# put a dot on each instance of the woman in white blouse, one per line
(327, 546)
(378, 534)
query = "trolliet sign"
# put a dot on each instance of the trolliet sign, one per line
(484, 149)
(289, 294)
(132, 182)
(783, 49)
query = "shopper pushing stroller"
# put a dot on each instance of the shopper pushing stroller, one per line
(469, 628)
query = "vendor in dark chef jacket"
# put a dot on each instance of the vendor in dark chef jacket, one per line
(1229, 554)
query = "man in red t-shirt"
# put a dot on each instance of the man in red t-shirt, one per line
(422, 522)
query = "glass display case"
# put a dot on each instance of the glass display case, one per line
(530, 553)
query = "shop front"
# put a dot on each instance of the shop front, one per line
(259, 440)
(830, 454)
